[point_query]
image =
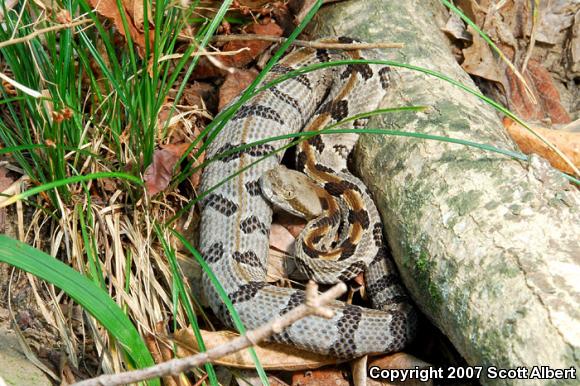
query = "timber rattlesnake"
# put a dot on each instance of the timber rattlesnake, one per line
(235, 218)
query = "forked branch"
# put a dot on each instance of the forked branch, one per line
(315, 304)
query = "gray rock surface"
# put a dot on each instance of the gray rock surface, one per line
(15, 369)
(488, 246)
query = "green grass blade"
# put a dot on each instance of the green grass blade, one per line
(86, 293)
(224, 297)
(217, 124)
(185, 301)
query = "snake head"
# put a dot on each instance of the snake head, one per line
(291, 191)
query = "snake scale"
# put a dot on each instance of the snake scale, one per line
(236, 218)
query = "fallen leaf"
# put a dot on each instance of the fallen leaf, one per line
(567, 142)
(283, 234)
(158, 175)
(254, 3)
(359, 279)
(322, 377)
(480, 61)
(575, 45)
(205, 69)
(180, 127)
(164, 351)
(281, 238)
(510, 25)
(556, 16)
(284, 13)
(542, 84)
(5, 183)
(109, 9)
(272, 356)
(5, 179)
(137, 13)
(358, 368)
(281, 246)
(256, 47)
(455, 27)
(276, 269)
(66, 374)
(200, 95)
(234, 84)
(252, 378)
(294, 224)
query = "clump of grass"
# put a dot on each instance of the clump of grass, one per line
(83, 146)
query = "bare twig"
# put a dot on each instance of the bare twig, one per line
(215, 61)
(304, 43)
(205, 53)
(34, 34)
(314, 305)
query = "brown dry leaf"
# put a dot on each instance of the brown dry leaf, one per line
(66, 374)
(157, 352)
(163, 352)
(254, 3)
(329, 376)
(199, 95)
(567, 142)
(399, 360)
(575, 45)
(205, 69)
(5, 179)
(234, 84)
(277, 267)
(251, 378)
(283, 233)
(294, 224)
(133, 14)
(541, 82)
(480, 61)
(272, 356)
(181, 127)
(281, 242)
(256, 47)
(281, 238)
(511, 26)
(136, 11)
(456, 28)
(360, 279)
(8, 187)
(158, 175)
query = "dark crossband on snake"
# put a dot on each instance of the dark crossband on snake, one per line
(343, 236)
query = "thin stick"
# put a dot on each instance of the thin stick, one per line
(205, 53)
(34, 34)
(304, 43)
(315, 304)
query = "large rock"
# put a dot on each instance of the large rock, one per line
(15, 369)
(487, 245)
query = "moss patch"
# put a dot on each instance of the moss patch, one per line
(465, 202)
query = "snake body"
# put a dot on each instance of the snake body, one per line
(235, 218)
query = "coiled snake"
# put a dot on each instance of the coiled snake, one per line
(235, 218)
